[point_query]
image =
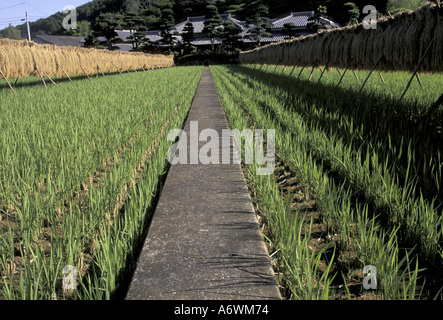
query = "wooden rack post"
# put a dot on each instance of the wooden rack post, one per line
(326, 66)
(117, 68)
(435, 105)
(127, 69)
(50, 78)
(343, 75)
(312, 71)
(64, 71)
(85, 72)
(367, 78)
(419, 81)
(381, 77)
(339, 72)
(41, 77)
(295, 66)
(416, 70)
(302, 70)
(7, 81)
(101, 71)
(284, 67)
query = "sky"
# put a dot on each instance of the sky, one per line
(12, 11)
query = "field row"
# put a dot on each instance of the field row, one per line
(367, 183)
(75, 158)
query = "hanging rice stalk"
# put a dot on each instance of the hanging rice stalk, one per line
(402, 39)
(19, 59)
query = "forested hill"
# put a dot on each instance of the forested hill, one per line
(87, 13)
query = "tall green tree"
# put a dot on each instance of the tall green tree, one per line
(11, 32)
(259, 21)
(212, 24)
(167, 24)
(136, 25)
(353, 12)
(289, 30)
(188, 37)
(230, 37)
(401, 5)
(315, 22)
(105, 26)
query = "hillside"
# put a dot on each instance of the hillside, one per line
(88, 12)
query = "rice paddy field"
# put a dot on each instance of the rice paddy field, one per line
(357, 180)
(81, 165)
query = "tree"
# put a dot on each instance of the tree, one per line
(212, 24)
(353, 12)
(105, 25)
(401, 5)
(259, 21)
(230, 37)
(135, 23)
(188, 37)
(167, 24)
(11, 33)
(315, 22)
(289, 30)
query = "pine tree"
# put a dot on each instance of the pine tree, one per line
(188, 37)
(212, 24)
(260, 23)
(230, 37)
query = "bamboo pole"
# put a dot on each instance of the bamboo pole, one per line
(295, 66)
(419, 80)
(370, 72)
(302, 70)
(339, 72)
(117, 68)
(64, 71)
(292, 70)
(41, 77)
(326, 66)
(101, 71)
(347, 67)
(127, 69)
(381, 77)
(50, 78)
(85, 72)
(436, 104)
(284, 67)
(7, 81)
(312, 71)
(416, 70)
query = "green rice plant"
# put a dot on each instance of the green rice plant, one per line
(313, 154)
(72, 202)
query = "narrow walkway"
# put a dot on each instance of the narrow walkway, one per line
(204, 240)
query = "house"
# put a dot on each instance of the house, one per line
(59, 40)
(201, 40)
(299, 19)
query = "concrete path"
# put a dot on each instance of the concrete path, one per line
(204, 240)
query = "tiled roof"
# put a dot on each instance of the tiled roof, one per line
(299, 19)
(198, 22)
(59, 40)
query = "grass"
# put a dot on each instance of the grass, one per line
(75, 155)
(374, 178)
